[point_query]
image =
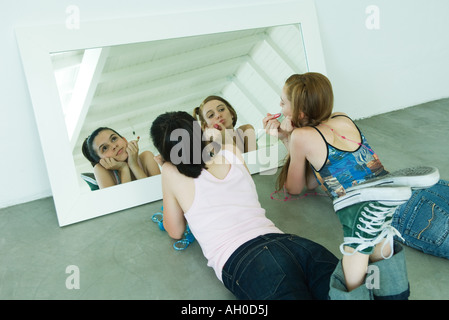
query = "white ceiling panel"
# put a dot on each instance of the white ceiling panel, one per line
(137, 82)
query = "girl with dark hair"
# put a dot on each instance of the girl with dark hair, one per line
(216, 113)
(216, 196)
(115, 160)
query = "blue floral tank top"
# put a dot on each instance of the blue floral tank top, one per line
(344, 169)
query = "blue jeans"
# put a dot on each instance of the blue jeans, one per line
(279, 267)
(424, 220)
(391, 281)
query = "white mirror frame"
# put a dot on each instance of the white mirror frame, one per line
(37, 42)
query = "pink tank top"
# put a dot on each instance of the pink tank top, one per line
(226, 213)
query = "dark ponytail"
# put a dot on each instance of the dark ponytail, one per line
(88, 153)
(178, 138)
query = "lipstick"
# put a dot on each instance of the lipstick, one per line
(275, 116)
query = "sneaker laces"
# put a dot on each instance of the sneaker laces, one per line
(388, 233)
(373, 219)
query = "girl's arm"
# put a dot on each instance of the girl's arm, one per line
(105, 177)
(311, 181)
(280, 130)
(300, 144)
(150, 166)
(174, 221)
(125, 174)
(133, 157)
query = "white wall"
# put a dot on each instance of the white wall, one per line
(373, 71)
(404, 63)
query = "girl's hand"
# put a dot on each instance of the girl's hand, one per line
(271, 125)
(133, 152)
(277, 129)
(287, 126)
(112, 164)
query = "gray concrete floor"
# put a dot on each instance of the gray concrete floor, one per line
(125, 256)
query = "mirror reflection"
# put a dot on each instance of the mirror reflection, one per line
(126, 87)
(217, 114)
(115, 160)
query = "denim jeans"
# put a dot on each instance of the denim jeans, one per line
(279, 267)
(424, 220)
(390, 280)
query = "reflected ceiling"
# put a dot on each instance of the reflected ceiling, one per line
(130, 85)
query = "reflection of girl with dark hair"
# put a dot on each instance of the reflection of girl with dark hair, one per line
(217, 113)
(115, 160)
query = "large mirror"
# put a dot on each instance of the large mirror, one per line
(123, 73)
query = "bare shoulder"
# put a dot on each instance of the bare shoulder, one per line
(172, 178)
(341, 121)
(104, 177)
(339, 114)
(146, 154)
(171, 175)
(246, 127)
(303, 135)
(235, 151)
(99, 170)
(306, 141)
(170, 170)
(146, 157)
